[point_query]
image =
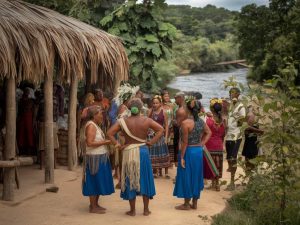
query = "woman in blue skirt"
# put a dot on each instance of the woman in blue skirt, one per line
(137, 176)
(97, 176)
(194, 134)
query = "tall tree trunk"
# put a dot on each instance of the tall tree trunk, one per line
(72, 147)
(10, 139)
(49, 145)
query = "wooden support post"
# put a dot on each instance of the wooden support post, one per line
(10, 139)
(49, 145)
(72, 119)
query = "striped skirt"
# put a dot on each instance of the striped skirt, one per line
(217, 157)
(159, 154)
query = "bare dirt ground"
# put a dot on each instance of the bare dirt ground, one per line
(34, 206)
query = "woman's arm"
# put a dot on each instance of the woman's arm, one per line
(206, 135)
(158, 129)
(90, 132)
(112, 131)
(166, 125)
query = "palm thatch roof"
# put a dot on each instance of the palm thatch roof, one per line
(33, 39)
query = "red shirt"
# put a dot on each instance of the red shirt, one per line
(215, 142)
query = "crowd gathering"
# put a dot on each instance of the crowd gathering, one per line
(136, 138)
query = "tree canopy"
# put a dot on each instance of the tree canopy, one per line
(268, 35)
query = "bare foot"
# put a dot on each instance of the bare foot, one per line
(130, 213)
(97, 210)
(147, 212)
(99, 207)
(183, 207)
(193, 206)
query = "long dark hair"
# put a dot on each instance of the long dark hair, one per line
(217, 109)
(195, 110)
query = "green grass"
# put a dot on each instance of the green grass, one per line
(233, 217)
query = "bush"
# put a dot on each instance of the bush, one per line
(233, 217)
(272, 195)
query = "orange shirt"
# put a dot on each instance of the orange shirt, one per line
(104, 103)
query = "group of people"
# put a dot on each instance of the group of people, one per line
(139, 137)
(30, 124)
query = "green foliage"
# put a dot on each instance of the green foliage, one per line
(167, 70)
(272, 195)
(210, 22)
(233, 217)
(88, 11)
(146, 37)
(267, 35)
(200, 55)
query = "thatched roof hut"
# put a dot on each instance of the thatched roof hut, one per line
(38, 44)
(31, 37)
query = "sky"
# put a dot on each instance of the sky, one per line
(228, 4)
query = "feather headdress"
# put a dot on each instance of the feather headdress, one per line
(125, 92)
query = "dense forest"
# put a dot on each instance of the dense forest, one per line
(161, 40)
(174, 39)
(205, 37)
(269, 35)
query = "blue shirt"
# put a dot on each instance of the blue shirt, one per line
(113, 113)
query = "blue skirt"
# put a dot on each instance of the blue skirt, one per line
(189, 180)
(147, 186)
(102, 182)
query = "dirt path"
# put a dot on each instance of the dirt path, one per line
(68, 206)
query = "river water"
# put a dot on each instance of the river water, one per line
(208, 84)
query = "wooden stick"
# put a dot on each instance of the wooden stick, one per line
(49, 145)
(24, 161)
(72, 147)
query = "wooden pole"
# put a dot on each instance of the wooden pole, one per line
(49, 145)
(72, 147)
(10, 139)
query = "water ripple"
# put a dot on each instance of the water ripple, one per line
(208, 84)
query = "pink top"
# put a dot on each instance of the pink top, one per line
(215, 142)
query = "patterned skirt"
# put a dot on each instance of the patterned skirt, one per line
(217, 156)
(159, 154)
